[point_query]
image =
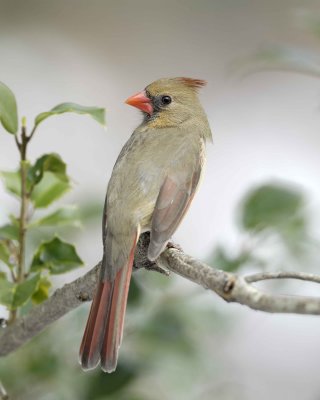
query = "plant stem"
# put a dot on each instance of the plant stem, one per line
(23, 219)
(23, 208)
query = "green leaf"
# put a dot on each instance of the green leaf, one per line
(9, 232)
(49, 189)
(47, 180)
(222, 261)
(47, 163)
(5, 254)
(42, 293)
(96, 113)
(24, 291)
(67, 215)
(135, 293)
(104, 386)
(273, 206)
(91, 210)
(167, 324)
(14, 220)
(6, 292)
(8, 109)
(56, 256)
(12, 181)
(13, 295)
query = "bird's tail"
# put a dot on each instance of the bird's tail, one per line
(103, 334)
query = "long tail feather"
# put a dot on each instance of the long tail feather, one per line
(93, 334)
(103, 333)
(114, 331)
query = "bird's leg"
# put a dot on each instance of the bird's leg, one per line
(140, 257)
(155, 267)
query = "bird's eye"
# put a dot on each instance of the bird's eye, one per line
(166, 100)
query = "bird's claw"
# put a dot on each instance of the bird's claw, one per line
(155, 267)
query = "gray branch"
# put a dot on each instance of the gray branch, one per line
(230, 287)
(261, 276)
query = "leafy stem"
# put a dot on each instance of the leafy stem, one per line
(37, 186)
(32, 133)
(24, 203)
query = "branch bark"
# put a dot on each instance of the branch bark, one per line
(230, 287)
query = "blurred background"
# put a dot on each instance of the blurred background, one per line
(258, 207)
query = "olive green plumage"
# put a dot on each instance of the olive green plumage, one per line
(151, 187)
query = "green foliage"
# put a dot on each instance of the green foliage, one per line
(40, 363)
(6, 291)
(273, 210)
(13, 295)
(101, 385)
(48, 190)
(272, 206)
(96, 113)
(37, 186)
(12, 182)
(42, 292)
(47, 163)
(47, 180)
(23, 291)
(91, 210)
(10, 232)
(135, 293)
(222, 260)
(66, 215)
(5, 253)
(8, 109)
(56, 256)
(167, 324)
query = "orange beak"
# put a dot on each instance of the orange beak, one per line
(141, 101)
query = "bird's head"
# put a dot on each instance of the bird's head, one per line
(168, 102)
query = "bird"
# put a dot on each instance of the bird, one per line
(152, 185)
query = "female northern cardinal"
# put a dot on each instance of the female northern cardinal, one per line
(151, 187)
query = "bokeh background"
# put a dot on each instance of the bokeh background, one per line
(263, 103)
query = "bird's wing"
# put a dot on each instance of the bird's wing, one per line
(104, 222)
(173, 201)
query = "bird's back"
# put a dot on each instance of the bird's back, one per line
(141, 168)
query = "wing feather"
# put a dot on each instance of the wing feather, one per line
(173, 201)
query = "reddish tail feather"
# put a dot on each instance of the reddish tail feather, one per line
(103, 334)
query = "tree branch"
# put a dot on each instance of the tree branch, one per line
(261, 276)
(230, 287)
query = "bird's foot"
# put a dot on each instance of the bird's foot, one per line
(172, 245)
(152, 266)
